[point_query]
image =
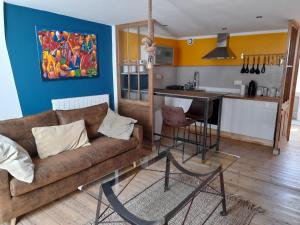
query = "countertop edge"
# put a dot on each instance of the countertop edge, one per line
(256, 98)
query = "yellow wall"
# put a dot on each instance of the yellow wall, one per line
(185, 55)
(250, 44)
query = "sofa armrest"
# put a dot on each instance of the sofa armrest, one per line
(4, 188)
(138, 134)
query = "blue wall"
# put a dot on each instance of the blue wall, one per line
(35, 95)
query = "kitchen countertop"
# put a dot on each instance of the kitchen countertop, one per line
(256, 98)
(210, 95)
(191, 94)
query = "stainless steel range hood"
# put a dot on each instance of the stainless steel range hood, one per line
(222, 51)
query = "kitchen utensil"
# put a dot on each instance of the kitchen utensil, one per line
(272, 92)
(247, 67)
(125, 68)
(263, 68)
(257, 71)
(252, 88)
(259, 91)
(142, 68)
(252, 70)
(265, 91)
(133, 69)
(243, 68)
(242, 90)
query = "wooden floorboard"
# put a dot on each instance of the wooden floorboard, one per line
(272, 182)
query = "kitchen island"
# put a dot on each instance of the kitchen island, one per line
(251, 119)
(206, 97)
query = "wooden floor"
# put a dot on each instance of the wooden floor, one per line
(272, 182)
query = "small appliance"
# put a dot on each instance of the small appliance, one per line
(252, 88)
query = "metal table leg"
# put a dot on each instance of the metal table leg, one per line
(219, 123)
(98, 205)
(224, 210)
(167, 175)
(206, 105)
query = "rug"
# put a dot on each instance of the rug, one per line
(154, 203)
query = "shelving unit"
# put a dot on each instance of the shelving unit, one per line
(135, 81)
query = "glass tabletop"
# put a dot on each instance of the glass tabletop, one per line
(140, 187)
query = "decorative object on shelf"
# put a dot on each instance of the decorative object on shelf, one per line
(64, 54)
(148, 41)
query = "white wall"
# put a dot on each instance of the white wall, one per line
(9, 101)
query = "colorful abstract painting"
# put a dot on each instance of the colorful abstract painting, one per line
(64, 54)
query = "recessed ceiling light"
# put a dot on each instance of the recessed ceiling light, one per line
(259, 17)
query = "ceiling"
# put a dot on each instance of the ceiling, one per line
(184, 18)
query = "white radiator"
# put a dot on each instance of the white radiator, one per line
(79, 102)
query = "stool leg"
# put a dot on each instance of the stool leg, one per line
(200, 137)
(158, 147)
(196, 134)
(210, 135)
(183, 145)
(174, 139)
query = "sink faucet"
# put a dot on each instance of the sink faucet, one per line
(196, 81)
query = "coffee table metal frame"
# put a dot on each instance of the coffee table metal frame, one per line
(126, 215)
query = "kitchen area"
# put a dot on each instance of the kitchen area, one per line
(246, 69)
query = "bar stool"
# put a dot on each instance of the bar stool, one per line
(175, 118)
(197, 111)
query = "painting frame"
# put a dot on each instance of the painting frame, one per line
(88, 54)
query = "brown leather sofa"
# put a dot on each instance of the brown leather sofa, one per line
(59, 175)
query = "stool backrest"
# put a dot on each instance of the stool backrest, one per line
(173, 116)
(198, 105)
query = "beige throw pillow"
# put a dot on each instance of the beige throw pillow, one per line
(56, 139)
(15, 160)
(117, 126)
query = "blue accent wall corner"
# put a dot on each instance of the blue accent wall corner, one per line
(35, 95)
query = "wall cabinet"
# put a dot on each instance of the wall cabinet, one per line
(164, 56)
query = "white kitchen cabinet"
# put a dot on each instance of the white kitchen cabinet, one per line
(239, 116)
(249, 117)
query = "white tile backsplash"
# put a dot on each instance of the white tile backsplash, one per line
(215, 76)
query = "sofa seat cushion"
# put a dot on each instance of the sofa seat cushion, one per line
(105, 148)
(53, 169)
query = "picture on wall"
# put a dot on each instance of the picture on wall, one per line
(66, 55)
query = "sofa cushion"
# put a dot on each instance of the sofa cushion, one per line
(105, 148)
(93, 117)
(19, 130)
(56, 139)
(53, 169)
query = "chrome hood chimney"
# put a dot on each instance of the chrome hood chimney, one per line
(222, 51)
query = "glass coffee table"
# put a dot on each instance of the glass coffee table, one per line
(160, 190)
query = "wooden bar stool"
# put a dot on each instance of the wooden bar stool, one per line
(197, 112)
(175, 118)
